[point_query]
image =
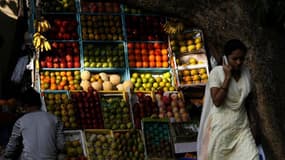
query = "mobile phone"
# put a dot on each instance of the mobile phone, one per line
(225, 60)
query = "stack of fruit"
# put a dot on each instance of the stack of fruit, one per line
(101, 27)
(148, 55)
(127, 145)
(116, 113)
(87, 103)
(104, 56)
(99, 144)
(60, 80)
(186, 42)
(157, 139)
(103, 81)
(172, 106)
(89, 6)
(150, 82)
(60, 105)
(193, 76)
(145, 28)
(63, 28)
(74, 145)
(58, 5)
(63, 55)
(143, 107)
(130, 10)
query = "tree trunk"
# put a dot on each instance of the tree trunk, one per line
(224, 20)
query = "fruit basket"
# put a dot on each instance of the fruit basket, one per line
(157, 138)
(75, 144)
(192, 77)
(99, 143)
(116, 110)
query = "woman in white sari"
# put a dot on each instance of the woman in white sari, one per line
(224, 132)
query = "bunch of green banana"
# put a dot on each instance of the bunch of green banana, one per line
(42, 25)
(40, 42)
(172, 28)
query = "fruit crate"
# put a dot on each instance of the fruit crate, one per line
(89, 109)
(104, 55)
(75, 144)
(99, 7)
(148, 55)
(116, 110)
(187, 77)
(54, 6)
(157, 138)
(143, 105)
(98, 143)
(152, 80)
(59, 79)
(128, 144)
(60, 104)
(187, 42)
(184, 136)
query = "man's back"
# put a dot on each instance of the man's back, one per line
(41, 135)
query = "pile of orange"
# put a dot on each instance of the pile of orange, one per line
(60, 80)
(148, 55)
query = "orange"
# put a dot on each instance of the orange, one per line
(157, 58)
(52, 80)
(62, 73)
(62, 83)
(158, 64)
(69, 73)
(144, 52)
(72, 87)
(47, 79)
(53, 86)
(59, 87)
(152, 64)
(164, 58)
(66, 88)
(165, 64)
(145, 64)
(69, 78)
(151, 57)
(138, 64)
(164, 52)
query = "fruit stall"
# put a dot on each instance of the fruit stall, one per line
(124, 84)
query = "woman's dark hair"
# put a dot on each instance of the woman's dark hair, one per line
(232, 45)
(30, 97)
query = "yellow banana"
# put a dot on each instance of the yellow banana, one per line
(47, 46)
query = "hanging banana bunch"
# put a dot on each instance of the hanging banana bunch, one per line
(172, 27)
(40, 42)
(42, 25)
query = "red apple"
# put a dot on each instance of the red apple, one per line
(76, 50)
(49, 65)
(62, 64)
(76, 58)
(43, 64)
(69, 64)
(76, 65)
(55, 65)
(68, 57)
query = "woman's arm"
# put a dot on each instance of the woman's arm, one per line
(219, 94)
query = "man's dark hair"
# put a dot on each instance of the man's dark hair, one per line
(232, 45)
(30, 97)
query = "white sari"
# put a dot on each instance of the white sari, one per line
(224, 132)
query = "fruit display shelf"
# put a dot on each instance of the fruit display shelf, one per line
(75, 145)
(99, 7)
(62, 6)
(157, 138)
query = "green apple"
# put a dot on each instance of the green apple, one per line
(138, 84)
(155, 85)
(133, 80)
